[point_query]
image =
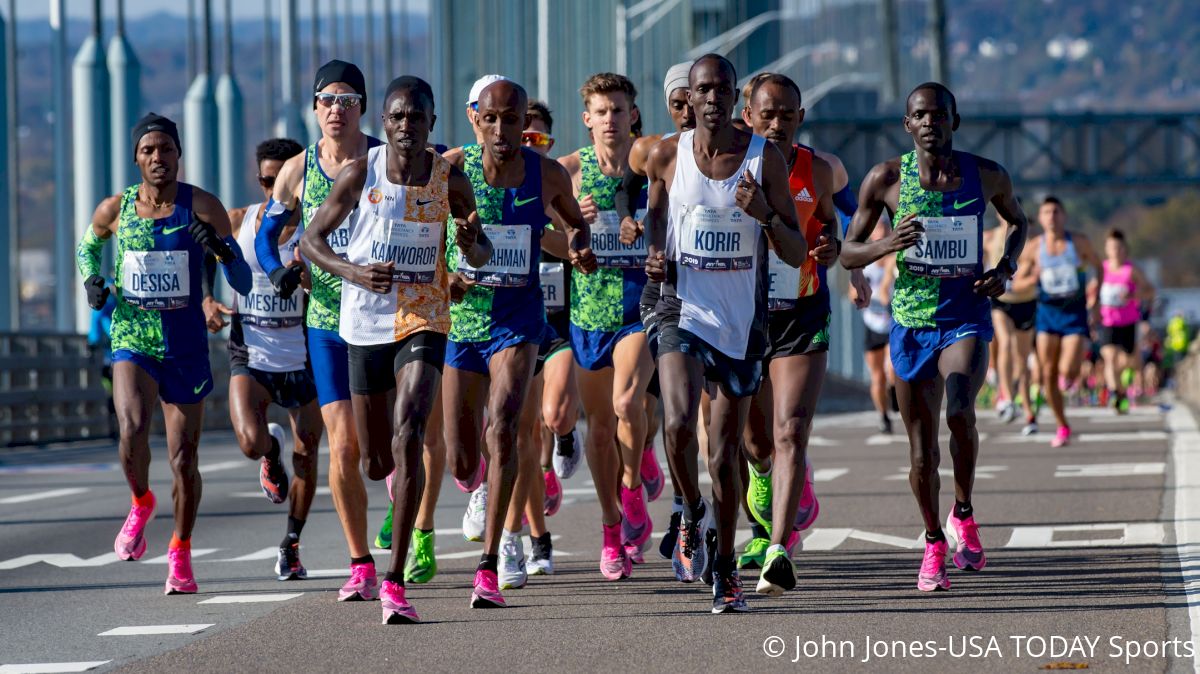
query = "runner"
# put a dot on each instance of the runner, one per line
(339, 94)
(607, 336)
(633, 185)
(268, 363)
(396, 297)
(1013, 315)
(1123, 290)
(1056, 261)
(877, 319)
(499, 322)
(939, 305)
(706, 222)
(163, 228)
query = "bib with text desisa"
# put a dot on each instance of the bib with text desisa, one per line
(156, 279)
(509, 264)
(554, 285)
(949, 247)
(265, 308)
(717, 238)
(606, 243)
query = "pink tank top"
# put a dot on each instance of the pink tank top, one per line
(1118, 297)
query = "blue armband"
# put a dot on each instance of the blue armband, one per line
(846, 203)
(266, 241)
(237, 273)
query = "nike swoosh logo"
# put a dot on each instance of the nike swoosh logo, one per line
(422, 203)
(522, 202)
(964, 204)
(200, 388)
(419, 348)
(172, 230)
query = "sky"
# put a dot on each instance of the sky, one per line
(242, 9)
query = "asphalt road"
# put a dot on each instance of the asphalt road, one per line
(1082, 547)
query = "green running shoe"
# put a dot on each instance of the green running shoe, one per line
(1127, 377)
(778, 574)
(758, 497)
(421, 565)
(383, 540)
(754, 554)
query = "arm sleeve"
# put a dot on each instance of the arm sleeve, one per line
(87, 254)
(847, 204)
(237, 273)
(266, 241)
(208, 275)
(631, 185)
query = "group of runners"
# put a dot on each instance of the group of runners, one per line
(430, 308)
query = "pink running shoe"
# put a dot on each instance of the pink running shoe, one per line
(636, 526)
(390, 479)
(131, 543)
(614, 563)
(968, 553)
(396, 609)
(792, 542)
(468, 487)
(809, 508)
(362, 586)
(1062, 438)
(179, 572)
(554, 495)
(652, 475)
(487, 591)
(634, 553)
(933, 568)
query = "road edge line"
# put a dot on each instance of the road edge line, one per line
(1185, 483)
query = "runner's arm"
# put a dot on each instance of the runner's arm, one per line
(560, 198)
(347, 189)
(210, 213)
(1088, 256)
(659, 165)
(554, 239)
(277, 212)
(472, 241)
(772, 206)
(998, 185)
(1145, 289)
(91, 244)
(829, 243)
(858, 250)
(1028, 269)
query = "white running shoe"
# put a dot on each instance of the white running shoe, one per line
(475, 519)
(567, 455)
(512, 562)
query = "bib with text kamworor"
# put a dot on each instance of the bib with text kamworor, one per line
(412, 246)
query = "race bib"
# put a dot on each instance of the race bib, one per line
(509, 266)
(554, 285)
(156, 279)
(339, 239)
(412, 246)
(785, 283)
(948, 248)
(877, 318)
(1114, 295)
(717, 238)
(606, 243)
(265, 308)
(1060, 280)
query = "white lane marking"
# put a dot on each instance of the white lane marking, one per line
(226, 465)
(1133, 437)
(58, 469)
(1109, 469)
(577, 491)
(41, 495)
(265, 553)
(251, 598)
(828, 474)
(196, 552)
(51, 667)
(902, 439)
(821, 441)
(62, 561)
(1152, 533)
(1185, 472)
(329, 573)
(981, 473)
(321, 491)
(143, 630)
(830, 539)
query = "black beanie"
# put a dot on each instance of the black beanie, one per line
(155, 122)
(340, 71)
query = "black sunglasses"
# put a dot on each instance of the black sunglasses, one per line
(266, 181)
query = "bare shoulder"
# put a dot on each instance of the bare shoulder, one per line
(663, 153)
(883, 175)
(456, 157)
(554, 169)
(205, 201)
(571, 163)
(236, 215)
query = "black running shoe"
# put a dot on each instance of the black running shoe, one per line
(727, 594)
(666, 547)
(287, 563)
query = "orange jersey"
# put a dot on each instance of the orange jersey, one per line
(804, 197)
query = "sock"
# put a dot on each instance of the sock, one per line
(289, 540)
(543, 540)
(760, 473)
(567, 442)
(488, 563)
(427, 532)
(724, 565)
(758, 531)
(295, 526)
(936, 536)
(694, 512)
(145, 500)
(396, 577)
(273, 455)
(177, 544)
(677, 502)
(963, 510)
(365, 559)
(547, 469)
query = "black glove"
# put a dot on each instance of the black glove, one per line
(204, 234)
(286, 280)
(97, 293)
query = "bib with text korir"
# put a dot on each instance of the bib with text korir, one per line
(948, 248)
(784, 291)
(607, 246)
(156, 279)
(265, 308)
(717, 238)
(509, 264)
(554, 285)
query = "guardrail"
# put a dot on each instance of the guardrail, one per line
(1187, 376)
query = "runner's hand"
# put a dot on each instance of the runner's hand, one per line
(582, 259)
(751, 199)
(588, 206)
(905, 234)
(826, 251)
(860, 290)
(204, 234)
(214, 314)
(285, 280)
(376, 277)
(465, 234)
(630, 230)
(97, 292)
(656, 267)
(992, 283)
(459, 286)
